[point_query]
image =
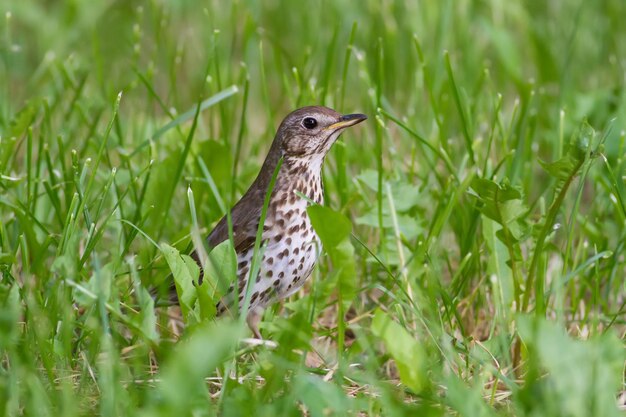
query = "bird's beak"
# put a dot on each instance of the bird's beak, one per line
(347, 120)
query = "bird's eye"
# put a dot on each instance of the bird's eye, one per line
(309, 123)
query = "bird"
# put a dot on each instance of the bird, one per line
(291, 246)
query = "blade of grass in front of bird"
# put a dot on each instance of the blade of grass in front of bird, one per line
(257, 254)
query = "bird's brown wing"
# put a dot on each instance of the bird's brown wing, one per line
(246, 213)
(245, 217)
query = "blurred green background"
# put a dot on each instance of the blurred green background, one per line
(485, 271)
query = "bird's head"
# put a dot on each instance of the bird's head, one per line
(311, 131)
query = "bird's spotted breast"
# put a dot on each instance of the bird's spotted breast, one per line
(291, 246)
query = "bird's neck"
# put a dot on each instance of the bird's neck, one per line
(300, 164)
(302, 175)
(297, 173)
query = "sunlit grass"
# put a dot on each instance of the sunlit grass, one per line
(480, 265)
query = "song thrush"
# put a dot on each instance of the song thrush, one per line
(290, 245)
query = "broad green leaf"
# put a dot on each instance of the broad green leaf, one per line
(403, 348)
(342, 257)
(407, 224)
(583, 141)
(489, 189)
(502, 203)
(206, 304)
(405, 194)
(182, 385)
(496, 197)
(369, 177)
(467, 401)
(577, 152)
(561, 169)
(220, 270)
(332, 227)
(185, 272)
(321, 398)
(582, 376)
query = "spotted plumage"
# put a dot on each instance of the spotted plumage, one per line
(290, 244)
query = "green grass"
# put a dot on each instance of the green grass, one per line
(475, 226)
